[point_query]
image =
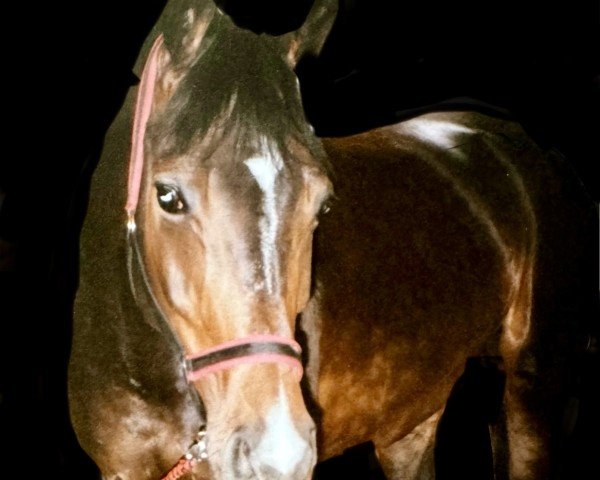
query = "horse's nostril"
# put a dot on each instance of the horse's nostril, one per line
(240, 458)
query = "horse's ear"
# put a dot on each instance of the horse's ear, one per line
(184, 32)
(310, 37)
(183, 38)
(167, 78)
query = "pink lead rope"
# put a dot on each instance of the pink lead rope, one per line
(143, 107)
(196, 453)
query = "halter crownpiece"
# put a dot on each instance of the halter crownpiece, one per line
(143, 108)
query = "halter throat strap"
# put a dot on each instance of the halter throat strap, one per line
(249, 350)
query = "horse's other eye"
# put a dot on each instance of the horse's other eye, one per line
(325, 208)
(169, 199)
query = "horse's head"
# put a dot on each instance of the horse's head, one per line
(233, 183)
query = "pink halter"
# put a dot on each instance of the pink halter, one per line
(249, 350)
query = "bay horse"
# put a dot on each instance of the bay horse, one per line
(218, 333)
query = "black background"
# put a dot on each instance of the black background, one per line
(67, 67)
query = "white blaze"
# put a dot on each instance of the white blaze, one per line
(265, 169)
(282, 447)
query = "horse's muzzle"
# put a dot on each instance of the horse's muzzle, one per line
(283, 452)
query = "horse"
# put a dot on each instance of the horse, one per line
(268, 298)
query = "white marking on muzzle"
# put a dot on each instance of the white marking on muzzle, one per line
(282, 447)
(265, 169)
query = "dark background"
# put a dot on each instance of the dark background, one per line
(67, 67)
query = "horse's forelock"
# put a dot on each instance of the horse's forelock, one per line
(256, 96)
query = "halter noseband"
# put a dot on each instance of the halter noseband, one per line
(246, 351)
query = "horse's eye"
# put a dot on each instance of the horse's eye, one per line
(325, 208)
(169, 199)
